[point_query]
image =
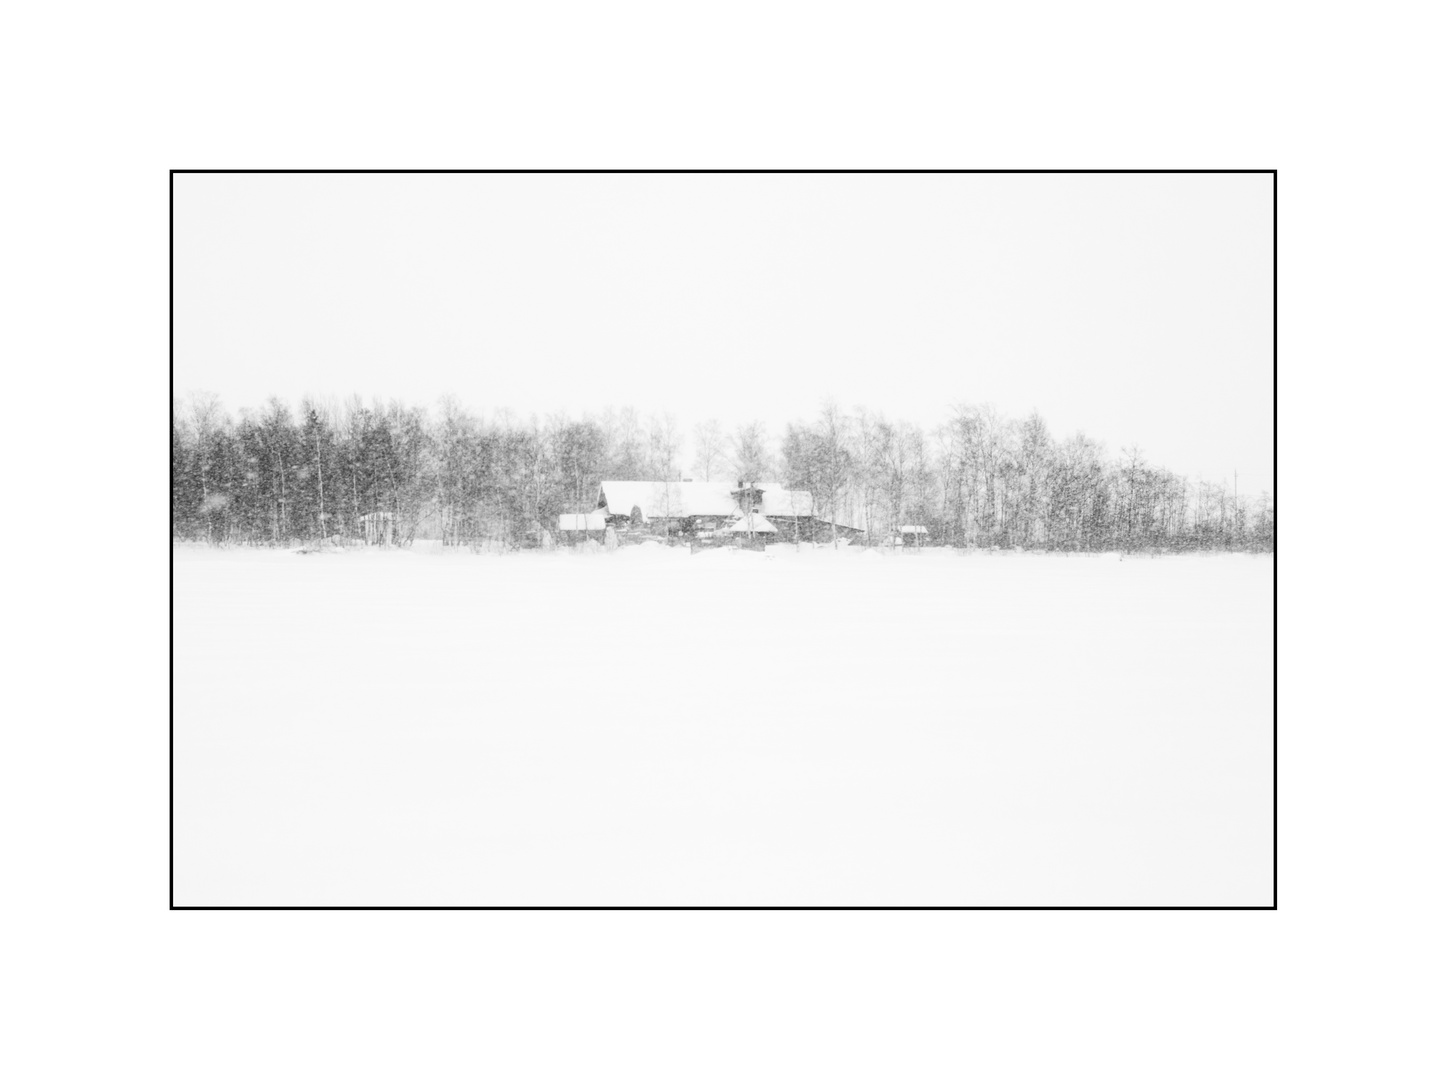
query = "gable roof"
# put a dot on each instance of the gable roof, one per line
(760, 524)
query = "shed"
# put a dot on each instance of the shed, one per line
(911, 535)
(582, 523)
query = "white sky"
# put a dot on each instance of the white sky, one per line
(1137, 308)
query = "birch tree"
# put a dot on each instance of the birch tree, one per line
(709, 448)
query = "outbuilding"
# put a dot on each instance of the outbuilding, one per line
(574, 528)
(911, 536)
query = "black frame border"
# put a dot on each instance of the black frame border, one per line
(171, 589)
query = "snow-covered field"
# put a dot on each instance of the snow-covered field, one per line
(651, 727)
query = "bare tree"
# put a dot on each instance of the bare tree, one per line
(664, 441)
(535, 451)
(663, 445)
(834, 460)
(275, 476)
(749, 451)
(631, 457)
(708, 447)
(207, 421)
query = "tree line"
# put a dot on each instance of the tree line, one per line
(274, 475)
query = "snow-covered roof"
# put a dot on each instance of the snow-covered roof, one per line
(781, 502)
(666, 498)
(755, 522)
(697, 498)
(594, 522)
(914, 529)
(847, 513)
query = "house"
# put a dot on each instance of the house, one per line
(664, 506)
(696, 509)
(700, 510)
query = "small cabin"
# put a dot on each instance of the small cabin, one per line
(576, 528)
(911, 536)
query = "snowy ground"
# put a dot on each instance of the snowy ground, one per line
(731, 728)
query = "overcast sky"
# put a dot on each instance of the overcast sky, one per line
(1135, 308)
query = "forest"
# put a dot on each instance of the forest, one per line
(277, 476)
